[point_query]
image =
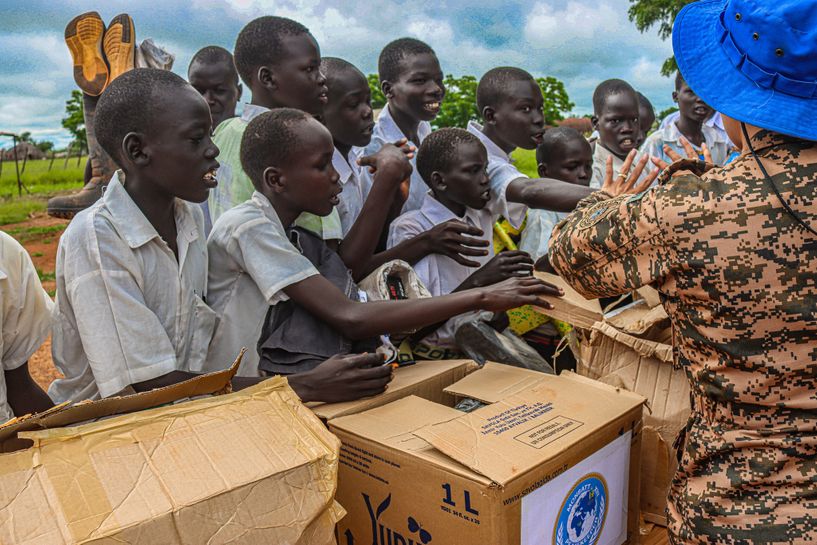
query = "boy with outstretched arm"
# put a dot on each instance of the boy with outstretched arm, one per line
(690, 126)
(255, 264)
(564, 154)
(212, 73)
(511, 105)
(348, 116)
(132, 269)
(412, 81)
(615, 117)
(279, 61)
(25, 320)
(454, 163)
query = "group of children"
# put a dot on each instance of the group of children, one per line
(222, 232)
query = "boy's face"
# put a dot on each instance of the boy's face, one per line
(182, 157)
(419, 90)
(299, 82)
(519, 118)
(646, 117)
(308, 181)
(466, 180)
(348, 114)
(571, 161)
(690, 106)
(617, 123)
(217, 84)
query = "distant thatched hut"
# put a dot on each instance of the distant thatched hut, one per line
(581, 124)
(25, 150)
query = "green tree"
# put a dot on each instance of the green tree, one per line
(74, 120)
(664, 113)
(45, 145)
(647, 13)
(25, 137)
(557, 102)
(460, 103)
(378, 98)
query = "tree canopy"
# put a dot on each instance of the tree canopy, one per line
(74, 120)
(648, 13)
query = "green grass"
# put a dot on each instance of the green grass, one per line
(525, 161)
(40, 183)
(46, 276)
(24, 234)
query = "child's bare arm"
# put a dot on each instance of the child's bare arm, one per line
(546, 193)
(362, 320)
(25, 396)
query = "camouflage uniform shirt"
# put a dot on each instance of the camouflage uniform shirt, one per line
(738, 277)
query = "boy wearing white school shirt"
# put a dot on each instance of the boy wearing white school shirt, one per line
(25, 318)
(132, 269)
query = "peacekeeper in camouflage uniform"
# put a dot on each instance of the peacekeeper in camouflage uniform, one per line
(733, 252)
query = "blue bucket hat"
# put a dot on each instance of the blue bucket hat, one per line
(753, 60)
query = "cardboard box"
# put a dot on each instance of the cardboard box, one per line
(252, 467)
(426, 379)
(552, 456)
(572, 308)
(633, 349)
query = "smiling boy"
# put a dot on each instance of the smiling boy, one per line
(279, 61)
(412, 81)
(691, 126)
(212, 73)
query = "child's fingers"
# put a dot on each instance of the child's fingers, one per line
(671, 153)
(465, 262)
(364, 361)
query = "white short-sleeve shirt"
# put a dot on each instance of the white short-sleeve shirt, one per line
(127, 309)
(501, 172)
(355, 189)
(251, 262)
(25, 312)
(535, 236)
(386, 131)
(440, 273)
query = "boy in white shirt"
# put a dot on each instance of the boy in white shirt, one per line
(25, 319)
(253, 263)
(454, 163)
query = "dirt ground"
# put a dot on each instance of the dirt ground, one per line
(40, 236)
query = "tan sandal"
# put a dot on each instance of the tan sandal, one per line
(83, 35)
(119, 45)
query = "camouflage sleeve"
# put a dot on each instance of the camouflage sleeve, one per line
(610, 246)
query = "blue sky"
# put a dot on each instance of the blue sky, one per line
(581, 42)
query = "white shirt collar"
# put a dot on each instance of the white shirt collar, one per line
(436, 212)
(494, 151)
(343, 168)
(251, 111)
(391, 133)
(671, 133)
(131, 223)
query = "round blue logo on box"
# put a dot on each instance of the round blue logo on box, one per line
(581, 517)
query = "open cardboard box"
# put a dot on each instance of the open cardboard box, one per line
(632, 349)
(254, 467)
(548, 457)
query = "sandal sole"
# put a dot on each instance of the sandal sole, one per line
(83, 36)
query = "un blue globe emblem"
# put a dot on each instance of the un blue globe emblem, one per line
(581, 517)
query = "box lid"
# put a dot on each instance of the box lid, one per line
(572, 308)
(495, 381)
(507, 439)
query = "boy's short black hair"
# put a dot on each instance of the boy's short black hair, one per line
(269, 139)
(553, 140)
(332, 67)
(213, 54)
(128, 104)
(493, 86)
(679, 80)
(439, 149)
(259, 43)
(608, 88)
(388, 64)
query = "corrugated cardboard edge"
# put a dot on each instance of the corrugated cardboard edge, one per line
(493, 373)
(645, 348)
(66, 414)
(572, 308)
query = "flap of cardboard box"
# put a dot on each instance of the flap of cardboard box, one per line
(644, 347)
(505, 440)
(426, 379)
(638, 317)
(572, 308)
(495, 381)
(67, 414)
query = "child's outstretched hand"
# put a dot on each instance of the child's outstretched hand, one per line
(397, 156)
(626, 181)
(517, 292)
(457, 240)
(504, 265)
(343, 378)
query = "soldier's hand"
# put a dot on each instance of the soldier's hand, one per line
(689, 150)
(626, 181)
